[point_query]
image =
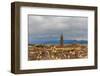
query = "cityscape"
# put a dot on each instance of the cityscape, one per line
(57, 37)
(60, 51)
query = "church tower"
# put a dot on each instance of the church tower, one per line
(61, 40)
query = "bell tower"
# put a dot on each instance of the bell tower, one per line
(61, 40)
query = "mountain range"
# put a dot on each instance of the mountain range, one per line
(58, 42)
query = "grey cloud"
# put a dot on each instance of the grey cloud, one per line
(72, 27)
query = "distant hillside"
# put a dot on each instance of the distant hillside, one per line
(58, 42)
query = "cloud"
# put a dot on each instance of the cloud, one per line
(46, 27)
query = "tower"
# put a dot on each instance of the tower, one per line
(61, 40)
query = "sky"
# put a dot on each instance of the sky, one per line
(41, 27)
